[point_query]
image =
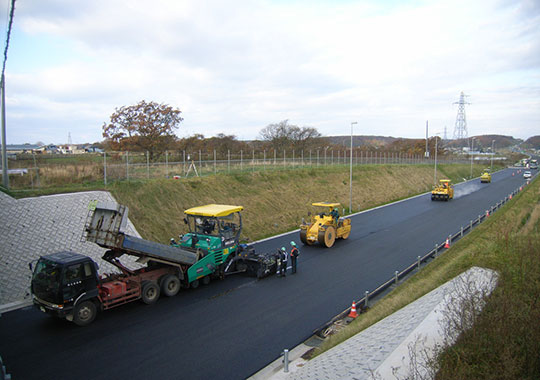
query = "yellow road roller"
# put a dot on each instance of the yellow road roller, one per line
(325, 226)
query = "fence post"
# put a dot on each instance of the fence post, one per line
(241, 159)
(127, 165)
(253, 160)
(215, 168)
(37, 169)
(147, 165)
(293, 158)
(105, 168)
(284, 162)
(183, 162)
(228, 160)
(264, 159)
(166, 164)
(318, 157)
(200, 163)
(275, 156)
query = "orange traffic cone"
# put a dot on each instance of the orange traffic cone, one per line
(353, 313)
(513, 174)
(447, 244)
(510, 196)
(487, 213)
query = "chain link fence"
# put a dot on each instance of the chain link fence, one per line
(40, 171)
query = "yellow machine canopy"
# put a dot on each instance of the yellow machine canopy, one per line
(213, 210)
(326, 204)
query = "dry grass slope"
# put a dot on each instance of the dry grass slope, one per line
(275, 201)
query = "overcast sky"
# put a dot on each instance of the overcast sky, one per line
(234, 67)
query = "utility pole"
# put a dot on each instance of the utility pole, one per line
(426, 154)
(5, 177)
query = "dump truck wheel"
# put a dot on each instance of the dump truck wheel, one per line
(84, 313)
(327, 237)
(194, 284)
(206, 280)
(150, 292)
(170, 285)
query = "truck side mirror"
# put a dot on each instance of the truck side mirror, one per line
(30, 266)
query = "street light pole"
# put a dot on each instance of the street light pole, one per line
(350, 176)
(492, 153)
(471, 152)
(435, 172)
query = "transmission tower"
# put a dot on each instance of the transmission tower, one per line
(460, 130)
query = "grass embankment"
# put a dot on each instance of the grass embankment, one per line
(274, 202)
(505, 341)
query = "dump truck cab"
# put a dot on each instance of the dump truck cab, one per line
(63, 280)
(486, 176)
(443, 191)
(325, 225)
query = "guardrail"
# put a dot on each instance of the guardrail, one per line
(363, 303)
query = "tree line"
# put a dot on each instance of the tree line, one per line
(150, 127)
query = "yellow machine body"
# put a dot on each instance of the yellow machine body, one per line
(325, 226)
(486, 176)
(443, 191)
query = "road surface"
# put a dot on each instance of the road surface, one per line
(230, 329)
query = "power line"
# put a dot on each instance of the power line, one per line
(8, 35)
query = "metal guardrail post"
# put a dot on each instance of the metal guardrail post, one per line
(366, 299)
(471, 226)
(418, 262)
(436, 249)
(461, 233)
(396, 277)
(285, 360)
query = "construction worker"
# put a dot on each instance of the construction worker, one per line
(294, 255)
(284, 258)
(335, 214)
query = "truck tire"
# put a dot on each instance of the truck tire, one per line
(170, 285)
(194, 284)
(150, 292)
(206, 280)
(84, 313)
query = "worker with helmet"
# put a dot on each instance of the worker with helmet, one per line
(294, 255)
(284, 258)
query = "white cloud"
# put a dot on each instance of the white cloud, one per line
(236, 68)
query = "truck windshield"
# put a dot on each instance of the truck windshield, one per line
(46, 280)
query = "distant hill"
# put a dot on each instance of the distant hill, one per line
(484, 141)
(363, 141)
(532, 142)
